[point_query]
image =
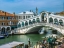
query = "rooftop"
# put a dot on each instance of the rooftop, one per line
(3, 13)
(26, 12)
(60, 13)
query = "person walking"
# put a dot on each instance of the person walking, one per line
(29, 42)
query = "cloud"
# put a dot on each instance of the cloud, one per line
(22, 5)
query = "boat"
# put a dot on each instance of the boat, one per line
(2, 37)
(41, 31)
(13, 44)
(52, 35)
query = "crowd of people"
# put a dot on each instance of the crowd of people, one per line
(51, 42)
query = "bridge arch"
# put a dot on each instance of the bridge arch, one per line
(43, 14)
(23, 24)
(30, 22)
(19, 24)
(26, 23)
(61, 22)
(33, 21)
(50, 20)
(56, 21)
(33, 29)
(37, 20)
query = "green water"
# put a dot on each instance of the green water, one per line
(22, 38)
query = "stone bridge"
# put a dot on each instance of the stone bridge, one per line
(36, 22)
(37, 27)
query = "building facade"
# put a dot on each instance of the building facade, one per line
(27, 18)
(25, 15)
(7, 22)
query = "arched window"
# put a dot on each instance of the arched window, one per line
(22, 24)
(60, 22)
(37, 20)
(43, 15)
(50, 20)
(3, 31)
(8, 29)
(33, 21)
(26, 23)
(30, 22)
(19, 25)
(56, 21)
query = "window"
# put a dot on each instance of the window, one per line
(3, 18)
(12, 18)
(3, 23)
(8, 18)
(12, 23)
(28, 16)
(23, 17)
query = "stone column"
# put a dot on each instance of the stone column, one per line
(53, 19)
(28, 22)
(47, 18)
(25, 16)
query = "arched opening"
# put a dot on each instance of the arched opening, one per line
(26, 23)
(43, 16)
(30, 22)
(19, 25)
(22, 24)
(3, 31)
(60, 22)
(34, 21)
(56, 21)
(50, 20)
(37, 20)
(8, 29)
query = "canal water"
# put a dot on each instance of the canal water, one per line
(24, 38)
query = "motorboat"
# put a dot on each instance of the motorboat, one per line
(2, 37)
(41, 31)
(52, 35)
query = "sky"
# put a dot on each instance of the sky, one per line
(18, 6)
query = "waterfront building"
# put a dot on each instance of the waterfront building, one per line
(26, 18)
(25, 15)
(8, 22)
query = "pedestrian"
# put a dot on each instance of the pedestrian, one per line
(28, 41)
(50, 42)
(63, 40)
(43, 46)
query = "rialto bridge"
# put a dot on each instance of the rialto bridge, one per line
(56, 19)
(37, 22)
